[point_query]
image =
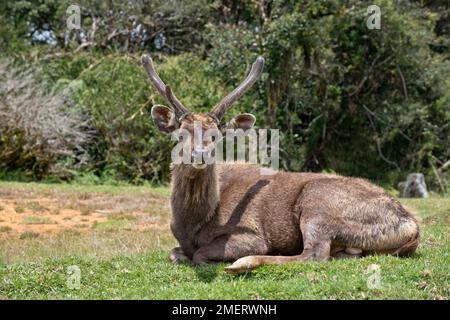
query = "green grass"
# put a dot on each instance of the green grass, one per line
(36, 220)
(113, 225)
(64, 187)
(119, 263)
(28, 235)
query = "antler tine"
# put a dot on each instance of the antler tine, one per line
(222, 107)
(175, 103)
(164, 90)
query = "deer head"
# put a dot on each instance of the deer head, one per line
(177, 116)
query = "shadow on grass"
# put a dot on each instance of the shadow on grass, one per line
(414, 256)
(208, 272)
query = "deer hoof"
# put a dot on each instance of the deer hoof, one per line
(177, 256)
(353, 251)
(241, 265)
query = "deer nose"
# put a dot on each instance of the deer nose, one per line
(198, 152)
(200, 155)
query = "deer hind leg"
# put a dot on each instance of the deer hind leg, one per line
(315, 249)
(317, 234)
(316, 252)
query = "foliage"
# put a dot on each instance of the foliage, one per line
(371, 103)
(38, 127)
(172, 26)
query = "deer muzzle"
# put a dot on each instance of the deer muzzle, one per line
(201, 157)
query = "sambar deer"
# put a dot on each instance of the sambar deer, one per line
(230, 212)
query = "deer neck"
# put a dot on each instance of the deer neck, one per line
(195, 194)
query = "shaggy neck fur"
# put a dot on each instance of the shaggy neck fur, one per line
(195, 194)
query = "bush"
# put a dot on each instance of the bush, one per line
(41, 131)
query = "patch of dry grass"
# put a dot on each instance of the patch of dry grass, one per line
(28, 235)
(133, 222)
(36, 220)
(71, 207)
(19, 209)
(36, 206)
(5, 229)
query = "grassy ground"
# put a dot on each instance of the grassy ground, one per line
(121, 252)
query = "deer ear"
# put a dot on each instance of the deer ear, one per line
(243, 121)
(164, 118)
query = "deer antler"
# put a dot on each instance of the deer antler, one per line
(222, 107)
(164, 90)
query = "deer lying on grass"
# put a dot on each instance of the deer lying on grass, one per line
(230, 212)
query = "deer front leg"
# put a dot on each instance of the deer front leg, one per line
(229, 248)
(176, 255)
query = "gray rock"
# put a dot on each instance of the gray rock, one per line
(413, 187)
